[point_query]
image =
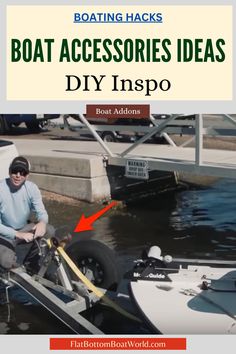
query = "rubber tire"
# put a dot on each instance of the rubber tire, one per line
(108, 137)
(102, 255)
(33, 126)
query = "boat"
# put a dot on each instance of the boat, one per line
(8, 152)
(183, 296)
(168, 296)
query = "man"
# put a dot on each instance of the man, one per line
(19, 198)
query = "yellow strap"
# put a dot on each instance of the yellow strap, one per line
(93, 288)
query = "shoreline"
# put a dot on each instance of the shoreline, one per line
(51, 196)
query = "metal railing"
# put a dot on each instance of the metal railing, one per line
(174, 124)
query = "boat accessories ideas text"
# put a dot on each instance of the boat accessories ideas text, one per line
(106, 50)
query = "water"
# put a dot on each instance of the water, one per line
(199, 222)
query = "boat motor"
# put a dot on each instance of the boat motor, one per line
(152, 266)
(155, 253)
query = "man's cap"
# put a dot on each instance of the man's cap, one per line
(20, 163)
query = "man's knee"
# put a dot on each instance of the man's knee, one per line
(7, 257)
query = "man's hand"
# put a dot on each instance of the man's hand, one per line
(39, 229)
(27, 236)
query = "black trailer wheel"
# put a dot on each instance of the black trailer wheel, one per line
(33, 126)
(97, 262)
(108, 137)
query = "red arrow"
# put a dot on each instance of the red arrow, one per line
(85, 224)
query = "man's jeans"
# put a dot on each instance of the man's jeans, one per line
(18, 252)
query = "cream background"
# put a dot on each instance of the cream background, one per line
(190, 81)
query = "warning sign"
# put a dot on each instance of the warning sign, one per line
(136, 169)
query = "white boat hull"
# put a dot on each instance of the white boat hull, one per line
(196, 300)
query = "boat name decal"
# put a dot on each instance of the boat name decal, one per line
(150, 275)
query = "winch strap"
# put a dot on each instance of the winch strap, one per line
(93, 288)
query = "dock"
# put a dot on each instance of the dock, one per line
(80, 169)
(99, 170)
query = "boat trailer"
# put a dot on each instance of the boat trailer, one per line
(205, 291)
(56, 291)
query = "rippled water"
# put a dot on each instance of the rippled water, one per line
(199, 222)
(213, 207)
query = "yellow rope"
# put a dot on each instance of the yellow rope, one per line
(93, 288)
